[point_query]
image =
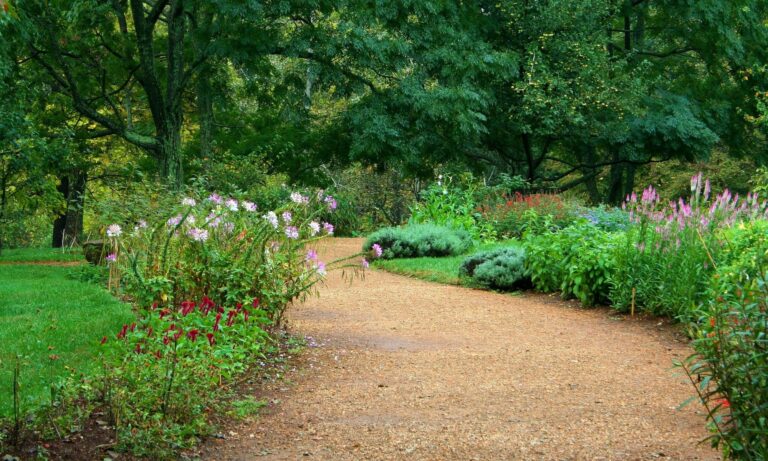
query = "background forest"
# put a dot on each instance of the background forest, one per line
(105, 98)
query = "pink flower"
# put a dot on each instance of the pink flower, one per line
(377, 250)
(231, 204)
(311, 255)
(198, 235)
(365, 263)
(292, 232)
(112, 257)
(330, 202)
(320, 268)
(215, 198)
(249, 206)
(328, 228)
(287, 217)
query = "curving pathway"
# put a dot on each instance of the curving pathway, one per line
(418, 371)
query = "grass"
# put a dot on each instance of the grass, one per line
(42, 254)
(54, 324)
(440, 270)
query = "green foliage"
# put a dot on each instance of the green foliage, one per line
(417, 240)
(730, 367)
(609, 219)
(444, 204)
(502, 269)
(576, 261)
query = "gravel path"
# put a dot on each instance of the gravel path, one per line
(419, 371)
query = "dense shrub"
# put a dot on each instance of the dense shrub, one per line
(446, 204)
(502, 269)
(516, 214)
(730, 367)
(417, 240)
(606, 218)
(668, 255)
(577, 261)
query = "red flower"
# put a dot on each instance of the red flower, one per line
(138, 348)
(712, 322)
(256, 303)
(172, 327)
(163, 313)
(231, 317)
(133, 326)
(187, 307)
(166, 340)
(193, 334)
(246, 314)
(724, 403)
(150, 331)
(104, 340)
(211, 339)
(122, 333)
(206, 305)
(158, 354)
(154, 305)
(216, 323)
(177, 335)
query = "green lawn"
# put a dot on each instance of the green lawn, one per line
(441, 270)
(42, 254)
(55, 324)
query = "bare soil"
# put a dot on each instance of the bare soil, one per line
(420, 371)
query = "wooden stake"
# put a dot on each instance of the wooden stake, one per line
(633, 302)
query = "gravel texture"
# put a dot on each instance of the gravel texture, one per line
(413, 370)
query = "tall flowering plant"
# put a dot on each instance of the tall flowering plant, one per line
(229, 251)
(670, 248)
(210, 276)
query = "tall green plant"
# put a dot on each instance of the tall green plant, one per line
(445, 204)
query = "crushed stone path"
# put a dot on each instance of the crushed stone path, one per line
(411, 370)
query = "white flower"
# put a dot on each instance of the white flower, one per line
(314, 228)
(272, 218)
(189, 202)
(114, 230)
(231, 204)
(287, 217)
(299, 199)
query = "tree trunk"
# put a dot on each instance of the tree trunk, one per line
(529, 160)
(170, 155)
(68, 225)
(60, 223)
(3, 207)
(591, 182)
(73, 228)
(205, 114)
